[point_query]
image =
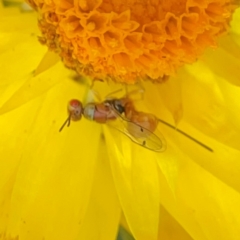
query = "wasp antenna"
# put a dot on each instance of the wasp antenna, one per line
(186, 135)
(68, 121)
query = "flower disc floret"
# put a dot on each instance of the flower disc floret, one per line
(130, 40)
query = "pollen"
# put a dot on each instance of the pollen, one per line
(128, 41)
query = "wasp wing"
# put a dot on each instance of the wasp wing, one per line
(138, 134)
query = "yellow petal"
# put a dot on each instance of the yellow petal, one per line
(14, 134)
(224, 62)
(55, 175)
(229, 45)
(20, 44)
(136, 180)
(235, 22)
(170, 92)
(169, 164)
(207, 109)
(223, 162)
(123, 234)
(19, 35)
(169, 228)
(205, 206)
(49, 60)
(103, 212)
(35, 86)
(231, 97)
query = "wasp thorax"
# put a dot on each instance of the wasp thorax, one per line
(89, 111)
(118, 105)
(75, 109)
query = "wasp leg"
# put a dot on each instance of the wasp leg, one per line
(139, 92)
(113, 93)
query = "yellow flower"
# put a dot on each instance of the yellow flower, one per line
(85, 181)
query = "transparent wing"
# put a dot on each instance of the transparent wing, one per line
(139, 134)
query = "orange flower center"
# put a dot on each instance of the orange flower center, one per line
(131, 40)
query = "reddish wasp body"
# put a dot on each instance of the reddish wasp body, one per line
(99, 112)
(141, 127)
(125, 108)
(120, 114)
